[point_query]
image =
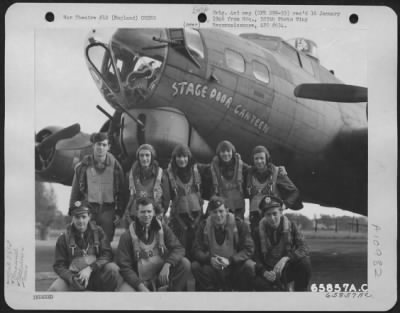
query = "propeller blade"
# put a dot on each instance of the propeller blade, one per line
(77, 142)
(332, 92)
(66, 132)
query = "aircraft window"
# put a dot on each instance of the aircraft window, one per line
(306, 63)
(261, 72)
(99, 57)
(234, 60)
(290, 53)
(194, 43)
(144, 76)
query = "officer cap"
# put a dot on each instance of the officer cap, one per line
(79, 207)
(97, 137)
(269, 202)
(215, 202)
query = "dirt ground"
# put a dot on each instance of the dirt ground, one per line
(335, 259)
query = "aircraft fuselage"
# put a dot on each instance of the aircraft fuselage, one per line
(232, 88)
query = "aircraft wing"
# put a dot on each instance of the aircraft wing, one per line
(332, 92)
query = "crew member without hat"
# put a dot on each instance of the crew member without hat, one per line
(99, 179)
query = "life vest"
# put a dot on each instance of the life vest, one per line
(232, 189)
(274, 253)
(100, 183)
(150, 257)
(187, 196)
(152, 189)
(229, 246)
(81, 258)
(257, 190)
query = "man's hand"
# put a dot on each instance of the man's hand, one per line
(270, 276)
(280, 265)
(143, 288)
(223, 261)
(84, 275)
(75, 283)
(163, 277)
(216, 264)
(117, 220)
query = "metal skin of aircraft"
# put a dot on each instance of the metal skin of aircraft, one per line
(198, 87)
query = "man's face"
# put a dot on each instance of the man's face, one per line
(260, 161)
(219, 215)
(273, 217)
(101, 148)
(182, 160)
(144, 158)
(81, 221)
(145, 214)
(226, 155)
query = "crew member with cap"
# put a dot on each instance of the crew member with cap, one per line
(184, 176)
(83, 256)
(282, 254)
(147, 180)
(228, 172)
(222, 250)
(264, 178)
(149, 255)
(99, 179)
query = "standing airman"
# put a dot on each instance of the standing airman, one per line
(99, 179)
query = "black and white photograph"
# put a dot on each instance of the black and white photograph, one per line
(225, 154)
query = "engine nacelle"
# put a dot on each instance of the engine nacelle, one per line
(53, 164)
(164, 129)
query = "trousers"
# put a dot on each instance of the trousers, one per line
(103, 215)
(105, 279)
(298, 272)
(234, 277)
(178, 277)
(185, 236)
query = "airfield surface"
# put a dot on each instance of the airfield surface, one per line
(335, 258)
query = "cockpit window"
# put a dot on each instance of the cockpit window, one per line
(234, 60)
(261, 72)
(139, 65)
(194, 43)
(99, 57)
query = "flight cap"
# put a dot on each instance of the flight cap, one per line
(215, 202)
(269, 202)
(79, 207)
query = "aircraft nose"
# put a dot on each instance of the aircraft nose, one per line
(127, 68)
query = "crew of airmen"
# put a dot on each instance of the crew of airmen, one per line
(161, 249)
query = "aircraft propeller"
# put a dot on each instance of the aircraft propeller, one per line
(52, 139)
(332, 92)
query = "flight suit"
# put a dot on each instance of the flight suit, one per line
(231, 188)
(102, 188)
(73, 253)
(276, 183)
(186, 208)
(232, 241)
(140, 259)
(288, 241)
(154, 186)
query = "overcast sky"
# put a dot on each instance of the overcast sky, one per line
(66, 93)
